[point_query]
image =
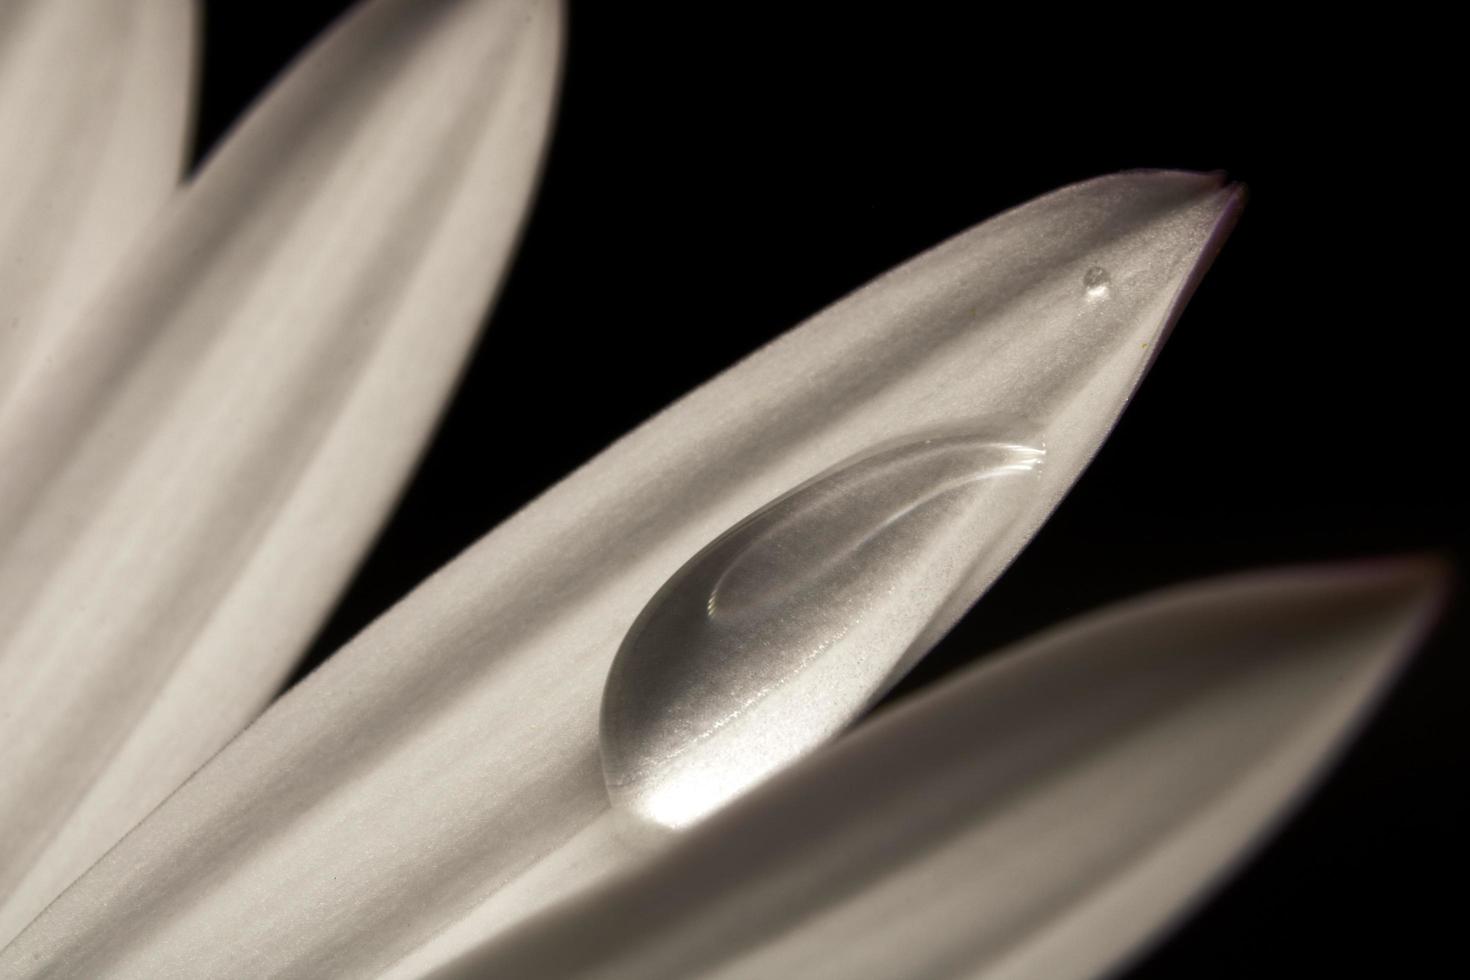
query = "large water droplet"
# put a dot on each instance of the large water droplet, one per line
(1097, 282)
(785, 628)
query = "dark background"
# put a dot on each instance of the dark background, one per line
(719, 172)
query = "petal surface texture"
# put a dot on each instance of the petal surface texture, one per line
(94, 108)
(192, 475)
(424, 769)
(1039, 816)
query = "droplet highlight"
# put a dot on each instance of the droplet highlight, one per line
(1097, 283)
(779, 633)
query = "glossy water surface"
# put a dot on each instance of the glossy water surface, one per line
(781, 631)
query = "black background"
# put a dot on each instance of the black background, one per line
(719, 172)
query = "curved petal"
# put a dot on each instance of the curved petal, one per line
(1041, 815)
(455, 741)
(94, 108)
(192, 476)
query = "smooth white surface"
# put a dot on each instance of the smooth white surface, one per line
(454, 743)
(1039, 816)
(94, 129)
(193, 472)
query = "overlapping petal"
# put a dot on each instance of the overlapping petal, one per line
(454, 743)
(208, 403)
(94, 108)
(197, 464)
(1042, 815)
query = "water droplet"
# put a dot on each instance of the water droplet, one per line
(1097, 282)
(784, 629)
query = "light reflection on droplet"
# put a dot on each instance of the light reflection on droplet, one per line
(1097, 282)
(785, 628)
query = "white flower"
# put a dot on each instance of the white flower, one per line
(259, 373)
(197, 454)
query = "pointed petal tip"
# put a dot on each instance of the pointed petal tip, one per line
(1228, 196)
(1209, 205)
(1423, 577)
(1399, 599)
(1419, 584)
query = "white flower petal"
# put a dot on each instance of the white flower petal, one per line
(190, 478)
(1039, 816)
(454, 742)
(94, 112)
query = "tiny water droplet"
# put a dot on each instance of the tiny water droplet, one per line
(779, 633)
(1097, 282)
